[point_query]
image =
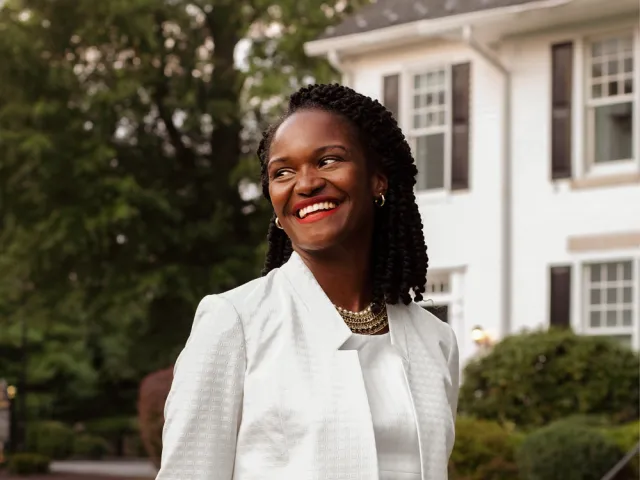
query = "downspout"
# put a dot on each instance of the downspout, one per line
(506, 190)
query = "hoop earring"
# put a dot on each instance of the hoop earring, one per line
(277, 222)
(380, 200)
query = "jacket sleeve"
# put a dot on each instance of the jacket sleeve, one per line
(204, 406)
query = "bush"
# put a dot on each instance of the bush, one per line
(626, 437)
(535, 378)
(28, 464)
(483, 450)
(115, 430)
(90, 446)
(51, 439)
(566, 451)
(154, 390)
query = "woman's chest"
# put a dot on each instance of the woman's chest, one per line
(310, 408)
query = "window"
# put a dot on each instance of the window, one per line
(430, 126)
(609, 299)
(610, 100)
(438, 126)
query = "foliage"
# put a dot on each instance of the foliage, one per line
(626, 437)
(115, 430)
(566, 451)
(90, 447)
(51, 439)
(28, 464)
(534, 378)
(154, 390)
(484, 450)
(126, 131)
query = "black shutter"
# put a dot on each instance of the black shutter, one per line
(560, 297)
(391, 94)
(561, 94)
(461, 94)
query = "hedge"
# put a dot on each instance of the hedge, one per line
(535, 378)
(154, 390)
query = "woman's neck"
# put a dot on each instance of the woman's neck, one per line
(344, 275)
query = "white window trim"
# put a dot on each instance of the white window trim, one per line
(583, 164)
(580, 296)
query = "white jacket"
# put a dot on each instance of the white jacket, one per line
(262, 389)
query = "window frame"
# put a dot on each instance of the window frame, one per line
(413, 134)
(583, 142)
(583, 299)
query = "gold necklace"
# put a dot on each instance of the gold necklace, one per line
(366, 322)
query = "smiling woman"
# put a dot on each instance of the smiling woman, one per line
(324, 367)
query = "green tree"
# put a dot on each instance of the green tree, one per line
(126, 133)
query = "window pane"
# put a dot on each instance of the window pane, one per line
(626, 271)
(596, 70)
(612, 318)
(612, 296)
(626, 318)
(613, 140)
(595, 273)
(628, 65)
(594, 319)
(627, 293)
(612, 272)
(430, 161)
(628, 86)
(596, 298)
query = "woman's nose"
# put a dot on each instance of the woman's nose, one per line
(309, 182)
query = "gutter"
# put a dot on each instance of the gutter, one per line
(506, 190)
(407, 31)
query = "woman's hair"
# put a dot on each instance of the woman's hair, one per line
(399, 254)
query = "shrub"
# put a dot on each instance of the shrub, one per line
(154, 390)
(483, 450)
(51, 439)
(115, 430)
(535, 378)
(90, 446)
(28, 464)
(626, 437)
(566, 451)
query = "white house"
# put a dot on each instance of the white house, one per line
(524, 118)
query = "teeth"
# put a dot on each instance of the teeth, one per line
(316, 207)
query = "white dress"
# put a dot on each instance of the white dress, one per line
(391, 407)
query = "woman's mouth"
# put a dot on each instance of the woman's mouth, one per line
(316, 211)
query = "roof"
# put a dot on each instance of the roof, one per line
(387, 13)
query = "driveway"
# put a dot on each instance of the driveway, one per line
(115, 468)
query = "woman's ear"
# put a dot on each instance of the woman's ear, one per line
(379, 183)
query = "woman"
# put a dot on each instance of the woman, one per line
(280, 378)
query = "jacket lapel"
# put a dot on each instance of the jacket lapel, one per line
(425, 379)
(345, 439)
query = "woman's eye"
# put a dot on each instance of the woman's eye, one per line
(328, 161)
(281, 173)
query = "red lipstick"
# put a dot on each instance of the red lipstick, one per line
(317, 215)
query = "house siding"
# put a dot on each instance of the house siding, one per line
(461, 228)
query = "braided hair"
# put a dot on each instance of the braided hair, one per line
(399, 254)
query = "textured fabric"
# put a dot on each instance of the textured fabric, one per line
(263, 389)
(394, 421)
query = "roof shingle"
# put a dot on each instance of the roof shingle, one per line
(387, 13)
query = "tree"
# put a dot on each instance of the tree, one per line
(126, 131)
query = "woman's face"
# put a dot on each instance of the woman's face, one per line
(321, 184)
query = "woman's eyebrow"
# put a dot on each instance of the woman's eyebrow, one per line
(316, 151)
